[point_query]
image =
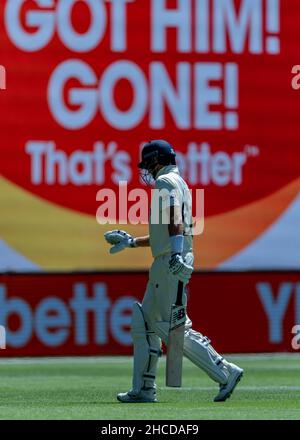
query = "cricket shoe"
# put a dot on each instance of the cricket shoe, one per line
(144, 396)
(235, 375)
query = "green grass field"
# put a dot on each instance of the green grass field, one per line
(86, 388)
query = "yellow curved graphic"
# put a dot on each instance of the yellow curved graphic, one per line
(57, 238)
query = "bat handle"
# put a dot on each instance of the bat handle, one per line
(179, 294)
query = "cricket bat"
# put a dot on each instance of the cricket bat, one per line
(175, 341)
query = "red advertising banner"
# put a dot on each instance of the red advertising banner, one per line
(89, 314)
(89, 81)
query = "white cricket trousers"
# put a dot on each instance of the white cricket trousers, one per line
(160, 294)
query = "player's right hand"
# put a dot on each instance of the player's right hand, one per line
(119, 239)
(180, 268)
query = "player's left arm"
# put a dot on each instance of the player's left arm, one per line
(177, 265)
(175, 226)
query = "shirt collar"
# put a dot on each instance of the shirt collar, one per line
(167, 169)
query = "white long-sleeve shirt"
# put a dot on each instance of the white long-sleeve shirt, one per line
(170, 190)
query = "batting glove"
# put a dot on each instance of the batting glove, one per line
(120, 240)
(180, 268)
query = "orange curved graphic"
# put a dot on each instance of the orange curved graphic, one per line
(226, 234)
(60, 239)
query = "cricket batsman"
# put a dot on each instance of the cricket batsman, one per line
(171, 242)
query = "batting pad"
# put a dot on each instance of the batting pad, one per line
(147, 350)
(198, 350)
